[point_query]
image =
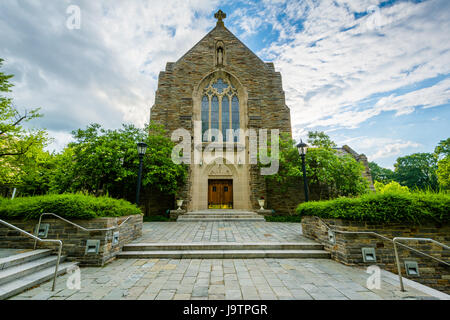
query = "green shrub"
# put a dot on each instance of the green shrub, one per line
(156, 218)
(66, 205)
(414, 207)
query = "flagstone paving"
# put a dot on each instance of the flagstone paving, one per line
(197, 279)
(202, 279)
(222, 231)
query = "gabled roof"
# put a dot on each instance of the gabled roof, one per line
(218, 27)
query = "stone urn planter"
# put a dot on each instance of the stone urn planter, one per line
(261, 203)
(179, 204)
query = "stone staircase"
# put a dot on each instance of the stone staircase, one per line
(223, 250)
(221, 215)
(22, 271)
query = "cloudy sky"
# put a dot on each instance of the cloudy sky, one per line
(372, 74)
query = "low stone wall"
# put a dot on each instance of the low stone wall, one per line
(74, 239)
(174, 214)
(348, 247)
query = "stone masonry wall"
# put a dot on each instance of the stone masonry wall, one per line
(347, 248)
(266, 107)
(74, 239)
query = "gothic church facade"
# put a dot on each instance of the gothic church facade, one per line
(221, 84)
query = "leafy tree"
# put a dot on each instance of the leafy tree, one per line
(417, 170)
(392, 186)
(320, 139)
(443, 173)
(381, 174)
(35, 170)
(332, 174)
(106, 161)
(443, 148)
(15, 140)
(442, 153)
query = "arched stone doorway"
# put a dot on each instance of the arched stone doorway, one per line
(224, 172)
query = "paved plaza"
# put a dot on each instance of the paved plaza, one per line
(218, 231)
(211, 279)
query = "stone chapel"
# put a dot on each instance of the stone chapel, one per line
(221, 84)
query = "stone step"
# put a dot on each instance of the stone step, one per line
(22, 270)
(221, 211)
(181, 219)
(224, 254)
(216, 216)
(19, 285)
(220, 214)
(21, 258)
(222, 246)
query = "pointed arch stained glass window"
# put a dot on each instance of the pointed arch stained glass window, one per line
(220, 109)
(235, 117)
(225, 117)
(215, 113)
(205, 116)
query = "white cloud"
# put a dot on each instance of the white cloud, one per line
(380, 148)
(107, 71)
(335, 66)
(338, 71)
(429, 97)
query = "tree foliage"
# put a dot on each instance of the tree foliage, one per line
(21, 149)
(15, 140)
(442, 150)
(102, 161)
(443, 173)
(417, 170)
(392, 186)
(320, 139)
(329, 173)
(381, 174)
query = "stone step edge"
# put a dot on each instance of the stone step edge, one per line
(218, 254)
(221, 213)
(17, 286)
(221, 219)
(222, 246)
(22, 270)
(221, 216)
(24, 257)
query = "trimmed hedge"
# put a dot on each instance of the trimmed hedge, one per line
(156, 218)
(66, 205)
(387, 207)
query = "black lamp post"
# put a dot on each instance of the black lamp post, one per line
(302, 151)
(142, 148)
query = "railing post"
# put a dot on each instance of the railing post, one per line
(57, 265)
(37, 231)
(399, 268)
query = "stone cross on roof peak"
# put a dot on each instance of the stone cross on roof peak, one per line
(220, 15)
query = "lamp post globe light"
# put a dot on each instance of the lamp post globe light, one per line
(302, 147)
(142, 149)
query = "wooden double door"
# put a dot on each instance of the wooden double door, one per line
(220, 194)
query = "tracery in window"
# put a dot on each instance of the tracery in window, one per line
(220, 108)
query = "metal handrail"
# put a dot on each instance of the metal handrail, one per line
(41, 240)
(394, 242)
(427, 255)
(76, 225)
